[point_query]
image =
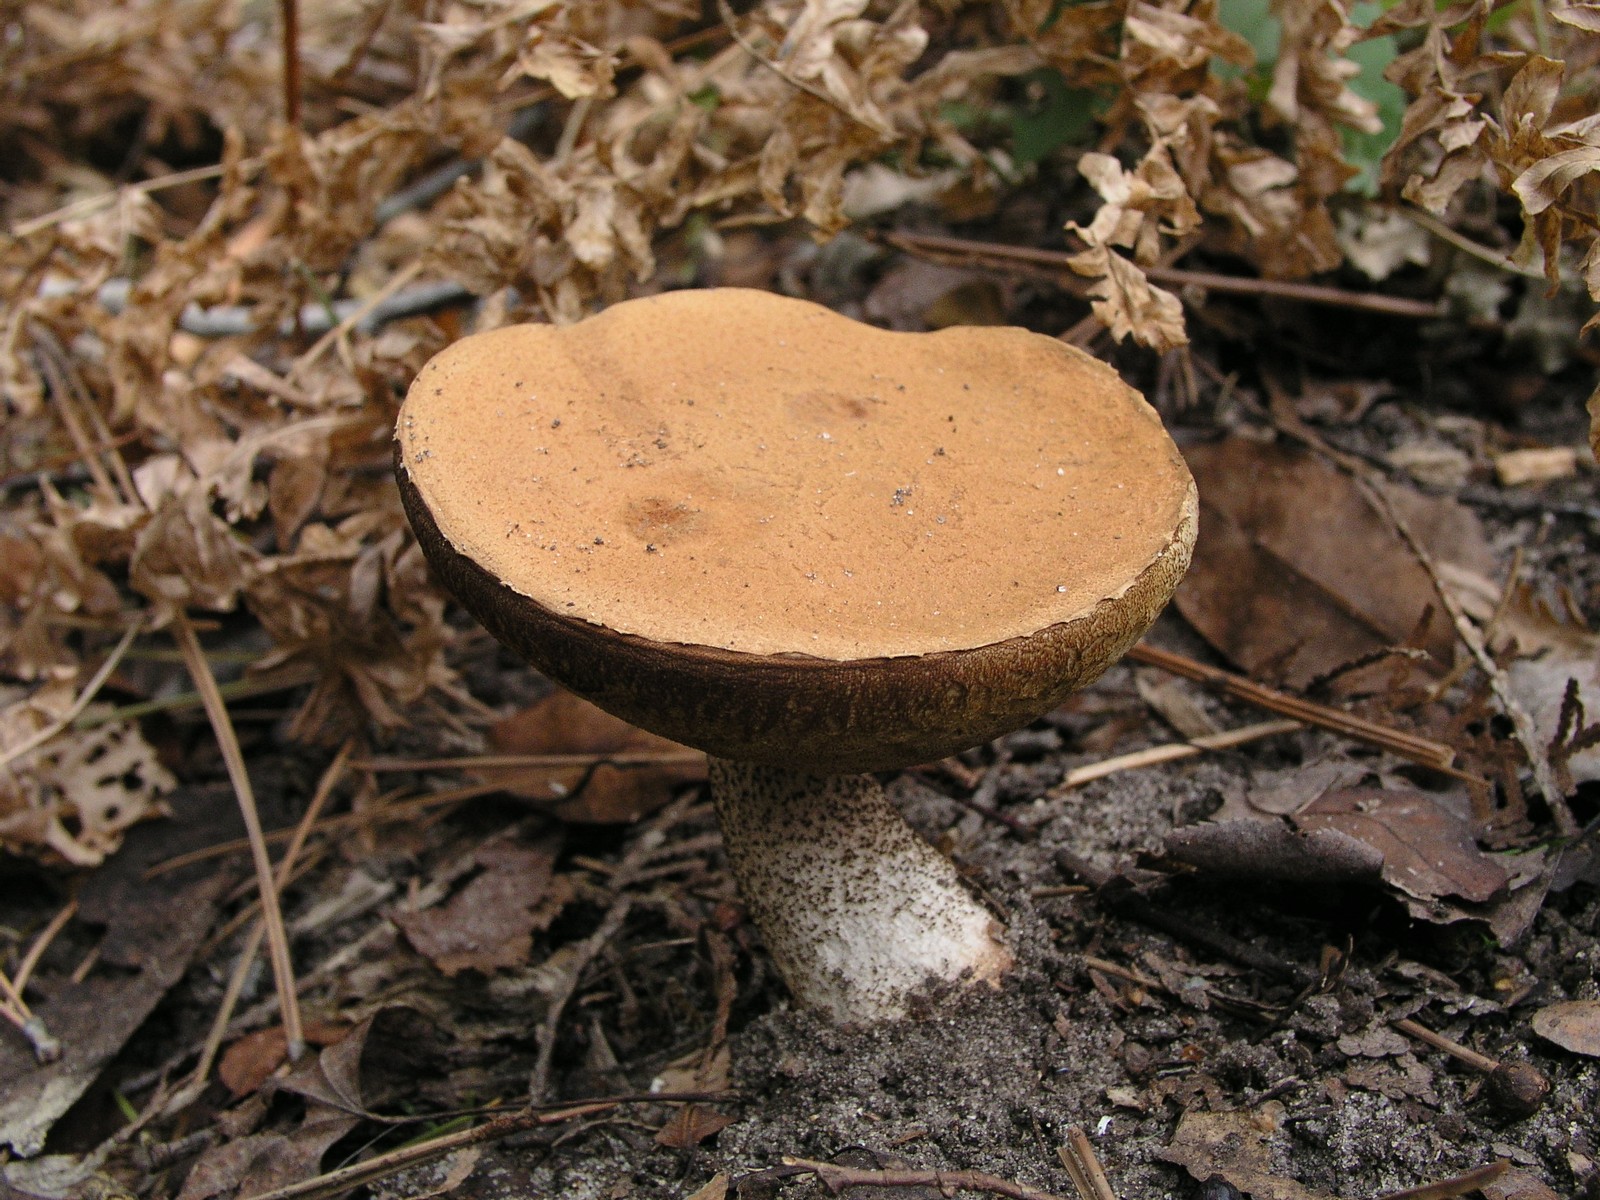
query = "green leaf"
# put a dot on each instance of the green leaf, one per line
(1053, 116)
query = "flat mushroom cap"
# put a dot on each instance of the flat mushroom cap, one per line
(755, 526)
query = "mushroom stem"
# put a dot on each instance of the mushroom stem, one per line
(858, 912)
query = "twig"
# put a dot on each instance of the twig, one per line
(52, 365)
(1306, 293)
(836, 1178)
(228, 741)
(478, 762)
(83, 700)
(1457, 1185)
(1409, 746)
(1431, 223)
(1078, 1157)
(1106, 967)
(1518, 1088)
(1059, 262)
(290, 13)
(1171, 752)
(281, 680)
(15, 1009)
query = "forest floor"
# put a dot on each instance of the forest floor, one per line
(1341, 804)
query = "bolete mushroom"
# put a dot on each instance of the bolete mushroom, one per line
(814, 549)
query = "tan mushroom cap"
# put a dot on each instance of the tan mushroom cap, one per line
(759, 527)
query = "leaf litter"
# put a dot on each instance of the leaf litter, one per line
(211, 313)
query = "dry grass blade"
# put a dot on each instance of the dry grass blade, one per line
(382, 1166)
(271, 915)
(191, 1090)
(88, 205)
(353, 318)
(1078, 1157)
(46, 1048)
(30, 960)
(1172, 752)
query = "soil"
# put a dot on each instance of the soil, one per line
(1158, 1047)
(992, 1081)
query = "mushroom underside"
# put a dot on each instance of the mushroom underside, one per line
(859, 914)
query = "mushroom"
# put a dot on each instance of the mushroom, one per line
(814, 549)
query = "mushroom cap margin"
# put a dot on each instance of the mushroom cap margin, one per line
(792, 710)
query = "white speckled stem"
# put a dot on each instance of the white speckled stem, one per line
(858, 912)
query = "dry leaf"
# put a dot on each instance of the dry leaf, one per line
(1378, 1040)
(78, 793)
(1297, 573)
(1572, 1024)
(691, 1125)
(250, 1061)
(1552, 651)
(715, 1188)
(489, 924)
(1427, 850)
(263, 1162)
(601, 792)
(1237, 1146)
(1517, 1184)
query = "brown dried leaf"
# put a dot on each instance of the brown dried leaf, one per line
(1310, 94)
(1378, 1040)
(490, 923)
(1572, 1024)
(1428, 850)
(249, 1062)
(1128, 303)
(263, 1162)
(1517, 1184)
(1407, 1078)
(1580, 14)
(1297, 573)
(600, 793)
(373, 1063)
(691, 1125)
(1239, 1147)
(77, 794)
